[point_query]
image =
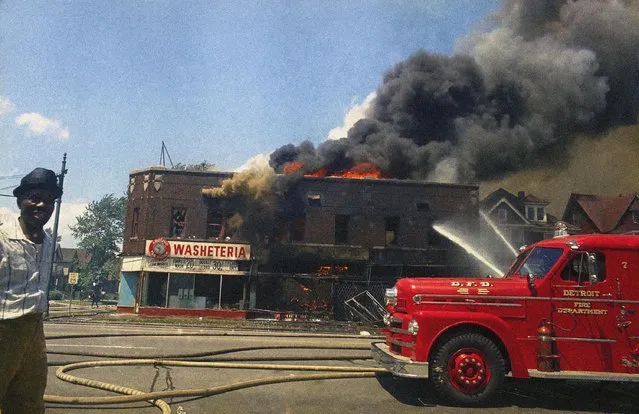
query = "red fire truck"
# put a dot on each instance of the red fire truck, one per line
(568, 308)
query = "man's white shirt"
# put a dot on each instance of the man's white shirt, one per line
(25, 268)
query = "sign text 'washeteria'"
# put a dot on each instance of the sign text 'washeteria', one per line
(162, 249)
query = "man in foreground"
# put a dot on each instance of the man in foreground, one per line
(25, 266)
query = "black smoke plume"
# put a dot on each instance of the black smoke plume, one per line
(539, 74)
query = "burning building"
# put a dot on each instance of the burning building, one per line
(543, 77)
(214, 243)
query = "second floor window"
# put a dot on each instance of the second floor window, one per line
(135, 222)
(541, 214)
(314, 199)
(178, 221)
(392, 228)
(214, 224)
(502, 215)
(530, 213)
(341, 228)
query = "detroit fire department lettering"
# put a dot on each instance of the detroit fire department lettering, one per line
(582, 308)
(581, 293)
(583, 311)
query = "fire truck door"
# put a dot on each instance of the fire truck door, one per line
(583, 317)
(627, 317)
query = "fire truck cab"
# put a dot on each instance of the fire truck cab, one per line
(568, 308)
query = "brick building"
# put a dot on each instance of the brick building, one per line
(324, 240)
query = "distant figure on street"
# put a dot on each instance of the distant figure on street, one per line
(25, 267)
(95, 297)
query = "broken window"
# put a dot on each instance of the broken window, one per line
(178, 221)
(392, 229)
(214, 224)
(341, 228)
(314, 200)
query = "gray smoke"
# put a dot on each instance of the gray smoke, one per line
(513, 95)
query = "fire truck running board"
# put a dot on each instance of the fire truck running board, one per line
(584, 375)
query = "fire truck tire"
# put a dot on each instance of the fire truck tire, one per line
(467, 369)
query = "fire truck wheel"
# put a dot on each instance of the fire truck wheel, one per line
(467, 369)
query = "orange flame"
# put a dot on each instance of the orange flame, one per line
(326, 270)
(291, 167)
(360, 170)
(319, 173)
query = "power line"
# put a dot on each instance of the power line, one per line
(8, 177)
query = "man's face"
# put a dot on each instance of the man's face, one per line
(36, 207)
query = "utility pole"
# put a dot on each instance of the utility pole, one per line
(63, 172)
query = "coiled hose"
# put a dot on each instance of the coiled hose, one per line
(155, 398)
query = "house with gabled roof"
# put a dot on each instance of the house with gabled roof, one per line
(520, 219)
(603, 214)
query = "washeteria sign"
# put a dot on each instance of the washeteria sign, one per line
(191, 257)
(162, 249)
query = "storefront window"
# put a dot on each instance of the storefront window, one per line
(193, 291)
(181, 291)
(208, 286)
(154, 291)
(232, 292)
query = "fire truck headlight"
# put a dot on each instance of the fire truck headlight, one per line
(413, 327)
(391, 296)
(387, 319)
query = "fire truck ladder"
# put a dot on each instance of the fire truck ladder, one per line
(366, 307)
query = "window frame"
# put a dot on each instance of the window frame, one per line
(177, 228)
(135, 223)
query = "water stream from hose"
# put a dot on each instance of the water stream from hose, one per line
(450, 234)
(498, 232)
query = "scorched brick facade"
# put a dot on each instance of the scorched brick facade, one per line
(331, 238)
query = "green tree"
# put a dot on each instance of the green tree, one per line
(100, 231)
(201, 167)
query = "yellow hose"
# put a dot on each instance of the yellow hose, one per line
(337, 372)
(131, 395)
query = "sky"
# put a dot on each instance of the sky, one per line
(217, 81)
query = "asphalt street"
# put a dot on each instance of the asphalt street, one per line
(93, 341)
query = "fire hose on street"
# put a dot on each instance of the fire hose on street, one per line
(130, 395)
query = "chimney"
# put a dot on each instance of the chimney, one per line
(521, 195)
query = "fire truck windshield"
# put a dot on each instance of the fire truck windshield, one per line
(536, 262)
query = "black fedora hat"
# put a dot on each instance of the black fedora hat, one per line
(41, 179)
